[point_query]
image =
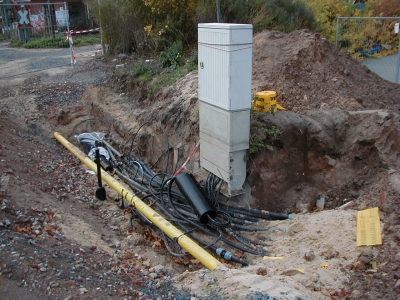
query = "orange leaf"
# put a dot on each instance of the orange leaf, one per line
(383, 197)
(262, 271)
(23, 229)
(138, 282)
(156, 244)
(343, 293)
(121, 292)
(126, 256)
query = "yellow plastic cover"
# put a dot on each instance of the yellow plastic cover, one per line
(368, 227)
(266, 94)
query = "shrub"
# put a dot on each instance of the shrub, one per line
(172, 57)
(261, 136)
(283, 15)
(193, 61)
(144, 70)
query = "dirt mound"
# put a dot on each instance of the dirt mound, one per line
(308, 73)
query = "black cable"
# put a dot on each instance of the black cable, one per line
(263, 214)
(200, 241)
(159, 158)
(166, 240)
(163, 132)
(249, 241)
(244, 241)
(248, 228)
(159, 189)
(223, 215)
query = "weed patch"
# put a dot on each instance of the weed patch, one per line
(59, 41)
(261, 136)
(164, 71)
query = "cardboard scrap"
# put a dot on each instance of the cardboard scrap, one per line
(368, 227)
(273, 257)
(374, 265)
(293, 272)
(324, 265)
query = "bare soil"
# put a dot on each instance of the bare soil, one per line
(339, 141)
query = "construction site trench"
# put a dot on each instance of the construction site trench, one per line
(338, 145)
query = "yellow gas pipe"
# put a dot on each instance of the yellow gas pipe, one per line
(174, 233)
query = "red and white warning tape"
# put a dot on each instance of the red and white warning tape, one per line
(71, 45)
(84, 31)
(187, 160)
(97, 52)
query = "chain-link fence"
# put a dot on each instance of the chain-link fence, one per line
(33, 21)
(373, 41)
(43, 24)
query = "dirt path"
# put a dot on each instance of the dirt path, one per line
(15, 61)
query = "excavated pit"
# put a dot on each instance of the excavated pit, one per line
(339, 140)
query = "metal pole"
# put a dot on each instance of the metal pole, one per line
(218, 11)
(65, 8)
(100, 191)
(398, 60)
(103, 50)
(337, 32)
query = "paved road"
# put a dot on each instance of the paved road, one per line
(17, 61)
(385, 67)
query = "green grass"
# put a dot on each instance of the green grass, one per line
(155, 75)
(59, 41)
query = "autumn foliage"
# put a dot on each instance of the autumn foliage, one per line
(144, 26)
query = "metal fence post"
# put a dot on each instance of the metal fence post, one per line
(337, 32)
(398, 64)
(66, 9)
(103, 50)
(398, 57)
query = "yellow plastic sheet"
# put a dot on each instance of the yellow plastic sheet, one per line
(368, 227)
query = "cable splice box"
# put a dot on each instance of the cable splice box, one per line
(225, 70)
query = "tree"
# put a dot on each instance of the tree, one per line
(357, 35)
(326, 12)
(383, 8)
(172, 20)
(282, 15)
(122, 23)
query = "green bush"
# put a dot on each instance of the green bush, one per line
(193, 61)
(261, 136)
(172, 57)
(143, 71)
